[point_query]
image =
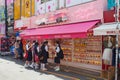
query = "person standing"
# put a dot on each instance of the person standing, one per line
(36, 49)
(16, 50)
(29, 52)
(21, 51)
(45, 55)
(58, 56)
(33, 55)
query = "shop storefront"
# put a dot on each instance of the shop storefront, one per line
(109, 32)
(81, 48)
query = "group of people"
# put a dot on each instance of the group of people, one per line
(38, 54)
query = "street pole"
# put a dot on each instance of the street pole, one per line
(6, 17)
(117, 42)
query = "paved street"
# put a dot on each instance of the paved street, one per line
(11, 69)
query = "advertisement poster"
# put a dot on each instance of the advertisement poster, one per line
(51, 5)
(27, 8)
(17, 9)
(10, 13)
(2, 15)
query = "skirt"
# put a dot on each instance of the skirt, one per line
(107, 55)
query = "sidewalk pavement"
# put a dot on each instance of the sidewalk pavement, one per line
(68, 72)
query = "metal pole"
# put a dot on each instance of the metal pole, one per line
(117, 31)
(6, 17)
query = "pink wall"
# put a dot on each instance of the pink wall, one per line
(84, 12)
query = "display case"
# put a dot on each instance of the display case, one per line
(94, 50)
(67, 47)
(88, 50)
(51, 44)
(79, 50)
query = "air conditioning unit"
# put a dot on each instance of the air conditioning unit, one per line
(42, 21)
(61, 19)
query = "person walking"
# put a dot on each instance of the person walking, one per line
(58, 56)
(29, 52)
(45, 55)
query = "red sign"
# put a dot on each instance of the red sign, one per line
(109, 16)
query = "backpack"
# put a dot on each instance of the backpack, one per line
(61, 54)
(40, 53)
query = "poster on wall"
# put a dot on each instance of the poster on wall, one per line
(2, 15)
(27, 8)
(37, 4)
(75, 2)
(41, 9)
(17, 9)
(61, 4)
(10, 15)
(2, 2)
(51, 5)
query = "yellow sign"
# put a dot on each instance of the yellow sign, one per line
(17, 9)
(27, 8)
(33, 7)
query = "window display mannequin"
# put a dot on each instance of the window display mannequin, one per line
(107, 53)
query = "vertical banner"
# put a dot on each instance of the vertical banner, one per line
(61, 4)
(10, 12)
(17, 9)
(28, 8)
(51, 5)
(37, 4)
(33, 7)
(23, 8)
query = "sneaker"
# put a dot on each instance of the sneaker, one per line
(57, 69)
(26, 66)
(36, 66)
(31, 66)
(44, 69)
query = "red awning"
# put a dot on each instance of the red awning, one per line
(78, 30)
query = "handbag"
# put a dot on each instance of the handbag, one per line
(36, 58)
(26, 55)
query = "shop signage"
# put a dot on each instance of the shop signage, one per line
(80, 13)
(51, 19)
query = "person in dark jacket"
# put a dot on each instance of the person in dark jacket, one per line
(45, 55)
(21, 51)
